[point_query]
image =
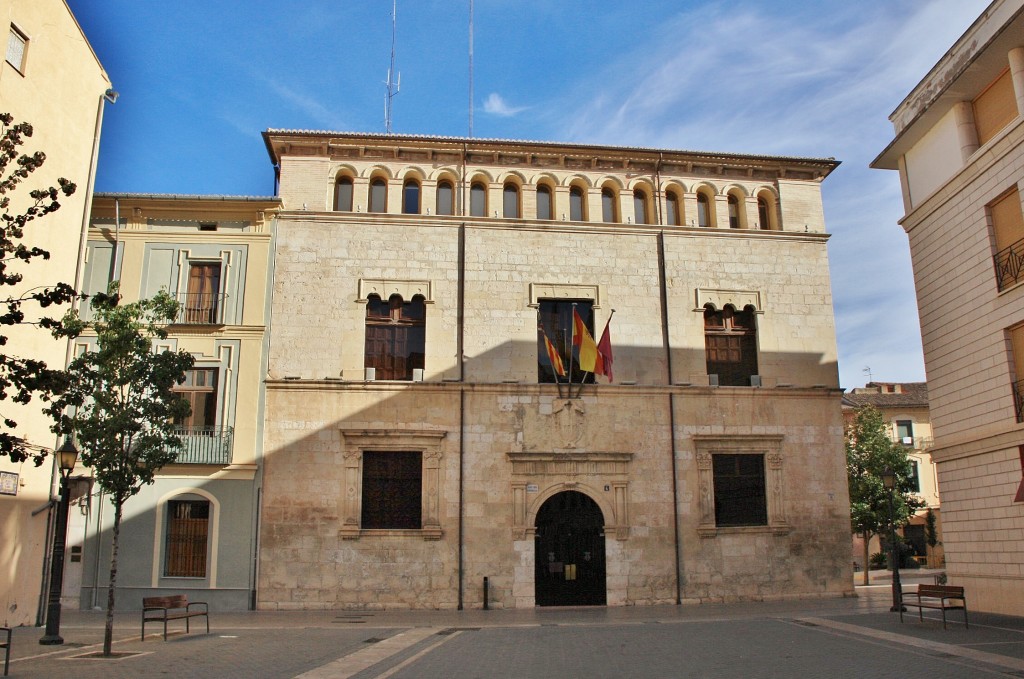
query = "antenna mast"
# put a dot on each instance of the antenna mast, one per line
(470, 68)
(394, 82)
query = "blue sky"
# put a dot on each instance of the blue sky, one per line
(199, 81)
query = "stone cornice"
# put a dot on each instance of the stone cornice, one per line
(509, 154)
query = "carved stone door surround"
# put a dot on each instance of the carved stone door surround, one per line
(604, 477)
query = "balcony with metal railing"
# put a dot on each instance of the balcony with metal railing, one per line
(1018, 399)
(201, 308)
(1009, 264)
(916, 442)
(205, 445)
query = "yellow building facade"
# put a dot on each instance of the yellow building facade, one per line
(52, 79)
(193, 529)
(904, 408)
(959, 149)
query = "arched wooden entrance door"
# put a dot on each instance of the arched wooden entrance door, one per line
(570, 552)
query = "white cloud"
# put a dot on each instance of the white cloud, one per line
(495, 105)
(815, 83)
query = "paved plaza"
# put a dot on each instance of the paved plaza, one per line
(856, 637)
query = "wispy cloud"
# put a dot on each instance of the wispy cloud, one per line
(816, 84)
(496, 105)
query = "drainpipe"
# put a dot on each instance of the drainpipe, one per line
(662, 275)
(462, 396)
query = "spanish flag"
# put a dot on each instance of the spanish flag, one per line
(553, 355)
(590, 359)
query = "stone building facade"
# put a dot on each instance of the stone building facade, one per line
(959, 149)
(416, 442)
(51, 78)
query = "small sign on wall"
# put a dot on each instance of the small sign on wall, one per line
(8, 483)
(532, 488)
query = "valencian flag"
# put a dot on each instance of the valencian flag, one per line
(589, 358)
(604, 350)
(553, 355)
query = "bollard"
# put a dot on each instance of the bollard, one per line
(486, 606)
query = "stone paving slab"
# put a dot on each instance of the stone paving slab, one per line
(821, 637)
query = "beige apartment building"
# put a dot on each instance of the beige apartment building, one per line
(52, 79)
(193, 529)
(420, 442)
(904, 408)
(959, 150)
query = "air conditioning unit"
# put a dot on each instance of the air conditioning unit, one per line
(417, 374)
(371, 374)
(713, 380)
(908, 440)
(755, 380)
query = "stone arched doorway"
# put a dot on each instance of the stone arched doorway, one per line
(570, 563)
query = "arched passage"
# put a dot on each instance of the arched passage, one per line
(570, 564)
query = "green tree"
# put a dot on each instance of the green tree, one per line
(870, 451)
(22, 377)
(119, 403)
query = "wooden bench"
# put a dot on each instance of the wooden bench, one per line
(938, 597)
(6, 645)
(175, 607)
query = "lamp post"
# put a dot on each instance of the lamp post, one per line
(67, 455)
(889, 481)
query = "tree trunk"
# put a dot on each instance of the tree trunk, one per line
(108, 632)
(867, 558)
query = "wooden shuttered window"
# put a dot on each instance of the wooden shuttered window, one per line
(395, 336)
(1007, 220)
(995, 107)
(188, 524)
(730, 343)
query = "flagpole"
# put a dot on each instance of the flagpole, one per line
(572, 343)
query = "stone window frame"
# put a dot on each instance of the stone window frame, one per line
(775, 488)
(428, 442)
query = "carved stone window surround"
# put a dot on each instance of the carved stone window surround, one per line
(739, 299)
(539, 291)
(385, 288)
(768, 445)
(427, 442)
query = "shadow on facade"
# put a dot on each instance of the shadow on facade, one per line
(492, 451)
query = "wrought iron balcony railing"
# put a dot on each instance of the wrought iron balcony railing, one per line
(1009, 266)
(201, 308)
(1018, 399)
(205, 445)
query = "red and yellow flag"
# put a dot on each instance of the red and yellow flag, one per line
(604, 350)
(553, 355)
(589, 356)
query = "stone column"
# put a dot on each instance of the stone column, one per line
(689, 208)
(719, 216)
(351, 502)
(360, 194)
(1016, 57)
(966, 131)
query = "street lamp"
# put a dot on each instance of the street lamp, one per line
(67, 455)
(889, 481)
